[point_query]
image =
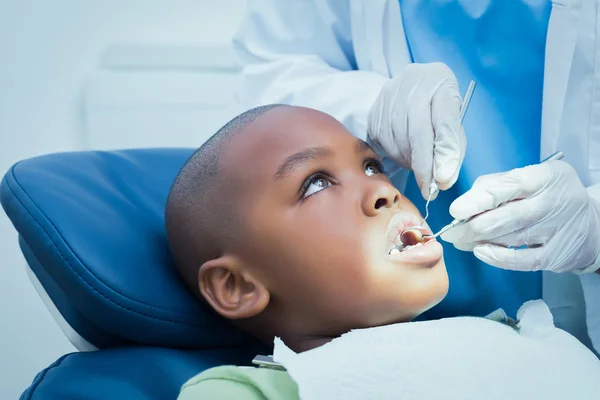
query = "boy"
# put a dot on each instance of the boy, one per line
(285, 224)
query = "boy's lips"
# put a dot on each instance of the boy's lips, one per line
(427, 254)
(398, 223)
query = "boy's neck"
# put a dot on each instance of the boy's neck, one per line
(301, 344)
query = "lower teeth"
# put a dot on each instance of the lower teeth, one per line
(397, 250)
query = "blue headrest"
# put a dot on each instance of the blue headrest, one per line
(91, 226)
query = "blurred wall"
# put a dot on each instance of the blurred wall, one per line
(69, 73)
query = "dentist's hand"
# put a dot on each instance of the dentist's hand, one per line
(416, 120)
(545, 207)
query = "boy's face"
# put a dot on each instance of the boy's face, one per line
(318, 221)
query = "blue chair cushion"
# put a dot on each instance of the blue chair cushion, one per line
(127, 373)
(91, 226)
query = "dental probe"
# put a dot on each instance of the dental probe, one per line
(433, 187)
(457, 222)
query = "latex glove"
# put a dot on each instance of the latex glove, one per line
(545, 206)
(416, 121)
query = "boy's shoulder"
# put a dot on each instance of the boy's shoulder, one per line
(244, 383)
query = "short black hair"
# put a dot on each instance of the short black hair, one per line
(197, 217)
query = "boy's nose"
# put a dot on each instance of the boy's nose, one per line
(379, 197)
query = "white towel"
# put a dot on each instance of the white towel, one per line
(453, 358)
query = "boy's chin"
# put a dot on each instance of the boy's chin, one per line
(409, 311)
(430, 296)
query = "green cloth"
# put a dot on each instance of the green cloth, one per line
(240, 383)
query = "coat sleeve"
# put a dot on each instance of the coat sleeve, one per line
(594, 193)
(302, 53)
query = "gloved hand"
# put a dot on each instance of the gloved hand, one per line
(416, 121)
(544, 207)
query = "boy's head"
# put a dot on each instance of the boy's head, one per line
(283, 222)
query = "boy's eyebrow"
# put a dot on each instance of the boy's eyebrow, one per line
(302, 157)
(298, 159)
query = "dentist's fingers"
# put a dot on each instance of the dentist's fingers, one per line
(510, 259)
(449, 138)
(510, 221)
(534, 235)
(464, 246)
(490, 191)
(420, 132)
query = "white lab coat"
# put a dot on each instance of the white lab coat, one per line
(335, 55)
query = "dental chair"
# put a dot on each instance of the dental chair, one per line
(91, 229)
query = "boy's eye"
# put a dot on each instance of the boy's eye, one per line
(316, 184)
(320, 181)
(373, 167)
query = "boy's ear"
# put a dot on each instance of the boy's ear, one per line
(230, 290)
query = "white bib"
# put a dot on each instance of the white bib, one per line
(453, 358)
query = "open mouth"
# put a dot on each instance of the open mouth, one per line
(397, 225)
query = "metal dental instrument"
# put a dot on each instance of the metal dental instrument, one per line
(433, 187)
(457, 222)
(467, 100)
